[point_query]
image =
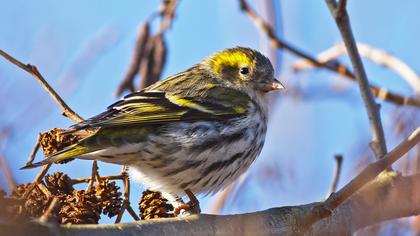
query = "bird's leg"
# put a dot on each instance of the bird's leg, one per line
(182, 208)
(194, 204)
(189, 208)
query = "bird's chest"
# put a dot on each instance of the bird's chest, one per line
(216, 137)
(203, 156)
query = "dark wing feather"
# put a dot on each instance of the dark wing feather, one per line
(207, 101)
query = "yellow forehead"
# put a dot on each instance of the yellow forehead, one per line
(231, 59)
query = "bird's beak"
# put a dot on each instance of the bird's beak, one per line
(274, 84)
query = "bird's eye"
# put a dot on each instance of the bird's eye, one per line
(244, 70)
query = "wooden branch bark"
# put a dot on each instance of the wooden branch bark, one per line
(339, 12)
(389, 196)
(67, 111)
(333, 66)
(372, 170)
(367, 207)
(4, 167)
(337, 172)
(376, 55)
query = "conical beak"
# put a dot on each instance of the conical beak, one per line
(270, 85)
(276, 85)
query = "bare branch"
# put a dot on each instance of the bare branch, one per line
(36, 181)
(229, 191)
(221, 199)
(34, 151)
(339, 161)
(373, 170)
(168, 14)
(149, 56)
(126, 201)
(67, 111)
(6, 171)
(87, 180)
(376, 55)
(128, 81)
(94, 174)
(55, 204)
(351, 211)
(333, 66)
(390, 196)
(367, 207)
(378, 143)
(341, 6)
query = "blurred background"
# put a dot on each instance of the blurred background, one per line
(84, 48)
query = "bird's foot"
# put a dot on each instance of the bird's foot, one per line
(189, 208)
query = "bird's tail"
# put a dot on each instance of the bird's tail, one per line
(65, 154)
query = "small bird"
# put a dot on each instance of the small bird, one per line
(195, 131)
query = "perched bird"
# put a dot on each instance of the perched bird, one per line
(195, 131)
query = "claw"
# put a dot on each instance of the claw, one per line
(189, 208)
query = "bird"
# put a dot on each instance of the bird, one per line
(194, 132)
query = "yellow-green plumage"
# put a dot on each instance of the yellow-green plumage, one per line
(198, 129)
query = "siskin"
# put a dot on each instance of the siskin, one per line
(196, 131)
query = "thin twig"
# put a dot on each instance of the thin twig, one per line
(125, 204)
(67, 111)
(168, 15)
(34, 151)
(369, 173)
(127, 195)
(341, 6)
(4, 166)
(48, 214)
(341, 18)
(128, 80)
(44, 189)
(132, 213)
(276, 42)
(230, 192)
(221, 199)
(95, 175)
(273, 13)
(120, 214)
(149, 55)
(337, 172)
(36, 181)
(88, 179)
(376, 55)
(333, 66)
(6, 171)
(80, 66)
(417, 159)
(126, 201)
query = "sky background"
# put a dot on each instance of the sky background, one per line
(83, 49)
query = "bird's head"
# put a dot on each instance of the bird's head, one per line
(244, 68)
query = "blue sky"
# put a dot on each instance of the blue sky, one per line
(88, 44)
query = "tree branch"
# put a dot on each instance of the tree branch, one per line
(367, 207)
(338, 163)
(376, 55)
(333, 66)
(6, 171)
(372, 170)
(67, 111)
(339, 12)
(388, 197)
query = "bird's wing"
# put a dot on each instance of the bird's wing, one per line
(162, 107)
(157, 105)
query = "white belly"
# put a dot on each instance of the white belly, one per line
(200, 156)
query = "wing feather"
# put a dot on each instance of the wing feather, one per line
(154, 106)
